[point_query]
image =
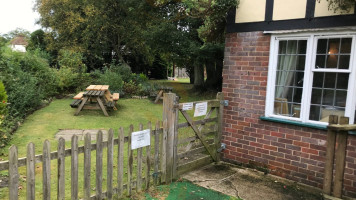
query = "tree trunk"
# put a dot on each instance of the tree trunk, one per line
(211, 78)
(219, 70)
(198, 76)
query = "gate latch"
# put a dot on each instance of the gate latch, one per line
(222, 147)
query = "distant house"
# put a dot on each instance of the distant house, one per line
(19, 44)
(288, 65)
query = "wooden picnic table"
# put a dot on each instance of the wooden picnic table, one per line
(95, 97)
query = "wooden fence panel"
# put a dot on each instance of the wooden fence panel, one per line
(110, 163)
(156, 156)
(148, 159)
(13, 173)
(61, 169)
(46, 170)
(220, 113)
(120, 164)
(139, 166)
(163, 152)
(87, 165)
(74, 168)
(30, 171)
(129, 168)
(99, 164)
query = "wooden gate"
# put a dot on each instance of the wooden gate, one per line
(190, 142)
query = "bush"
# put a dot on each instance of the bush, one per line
(3, 101)
(110, 77)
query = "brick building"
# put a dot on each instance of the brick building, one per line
(288, 66)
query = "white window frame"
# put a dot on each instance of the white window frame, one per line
(312, 38)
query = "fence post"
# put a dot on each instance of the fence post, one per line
(175, 144)
(74, 167)
(110, 164)
(46, 170)
(340, 158)
(30, 164)
(169, 116)
(61, 169)
(220, 115)
(330, 149)
(87, 165)
(99, 164)
(13, 173)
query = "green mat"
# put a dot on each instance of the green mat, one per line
(187, 191)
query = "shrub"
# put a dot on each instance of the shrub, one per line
(109, 77)
(130, 89)
(3, 101)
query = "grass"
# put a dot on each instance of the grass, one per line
(44, 124)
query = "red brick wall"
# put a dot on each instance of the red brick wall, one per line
(293, 152)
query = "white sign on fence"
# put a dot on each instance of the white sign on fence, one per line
(200, 109)
(140, 139)
(187, 106)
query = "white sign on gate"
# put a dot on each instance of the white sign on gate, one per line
(140, 139)
(200, 109)
(187, 106)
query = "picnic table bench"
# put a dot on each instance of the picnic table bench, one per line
(96, 97)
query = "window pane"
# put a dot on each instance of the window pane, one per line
(318, 80)
(330, 80)
(342, 81)
(346, 45)
(302, 47)
(300, 63)
(289, 77)
(314, 113)
(331, 61)
(340, 98)
(282, 47)
(329, 95)
(316, 96)
(292, 47)
(344, 61)
(326, 111)
(320, 61)
(322, 43)
(334, 45)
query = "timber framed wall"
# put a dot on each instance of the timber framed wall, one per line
(290, 151)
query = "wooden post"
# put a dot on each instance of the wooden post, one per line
(156, 156)
(169, 116)
(139, 166)
(163, 152)
(129, 168)
(99, 164)
(175, 139)
(330, 150)
(110, 164)
(148, 159)
(13, 173)
(87, 165)
(46, 170)
(120, 164)
(74, 167)
(340, 159)
(220, 115)
(30, 164)
(61, 169)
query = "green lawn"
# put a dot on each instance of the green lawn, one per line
(45, 123)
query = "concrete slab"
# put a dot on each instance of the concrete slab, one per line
(249, 184)
(68, 133)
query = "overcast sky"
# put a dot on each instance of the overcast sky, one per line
(17, 14)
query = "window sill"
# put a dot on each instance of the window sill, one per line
(285, 121)
(309, 125)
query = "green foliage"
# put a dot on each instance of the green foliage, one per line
(342, 6)
(3, 101)
(112, 78)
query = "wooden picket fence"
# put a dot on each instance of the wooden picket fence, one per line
(45, 158)
(163, 155)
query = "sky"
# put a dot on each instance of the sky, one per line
(17, 14)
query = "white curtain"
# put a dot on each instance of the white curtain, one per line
(286, 66)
